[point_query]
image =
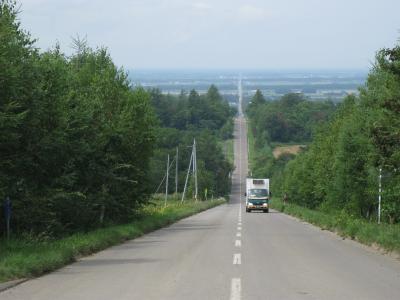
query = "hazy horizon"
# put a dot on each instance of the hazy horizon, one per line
(238, 70)
(316, 85)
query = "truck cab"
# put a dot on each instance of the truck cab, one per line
(257, 194)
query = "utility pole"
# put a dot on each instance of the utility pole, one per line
(176, 171)
(187, 177)
(195, 169)
(165, 175)
(380, 196)
(166, 183)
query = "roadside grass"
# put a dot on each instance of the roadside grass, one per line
(251, 147)
(227, 148)
(25, 258)
(384, 236)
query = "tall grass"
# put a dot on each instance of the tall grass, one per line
(385, 236)
(21, 258)
(227, 149)
(251, 147)
(229, 153)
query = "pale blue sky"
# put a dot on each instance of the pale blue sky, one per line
(233, 34)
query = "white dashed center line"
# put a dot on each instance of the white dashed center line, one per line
(237, 259)
(238, 234)
(238, 243)
(236, 288)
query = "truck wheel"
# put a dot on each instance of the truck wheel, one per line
(248, 210)
(266, 210)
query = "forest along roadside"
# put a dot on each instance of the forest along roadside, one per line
(301, 168)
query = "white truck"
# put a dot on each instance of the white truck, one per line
(257, 194)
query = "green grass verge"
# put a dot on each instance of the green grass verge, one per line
(227, 149)
(385, 236)
(251, 147)
(29, 258)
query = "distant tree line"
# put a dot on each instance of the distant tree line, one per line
(291, 119)
(209, 119)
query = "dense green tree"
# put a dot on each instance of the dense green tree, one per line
(341, 167)
(75, 139)
(290, 119)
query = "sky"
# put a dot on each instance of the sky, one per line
(221, 34)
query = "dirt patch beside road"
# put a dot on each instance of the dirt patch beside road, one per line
(293, 149)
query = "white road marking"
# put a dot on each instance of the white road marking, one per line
(240, 224)
(238, 243)
(237, 259)
(239, 228)
(236, 289)
(238, 234)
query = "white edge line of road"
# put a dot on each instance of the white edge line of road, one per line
(10, 284)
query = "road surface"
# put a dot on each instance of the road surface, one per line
(225, 253)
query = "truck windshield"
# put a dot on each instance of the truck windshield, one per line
(258, 192)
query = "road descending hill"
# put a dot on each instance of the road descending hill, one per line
(225, 253)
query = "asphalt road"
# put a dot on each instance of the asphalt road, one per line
(225, 253)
